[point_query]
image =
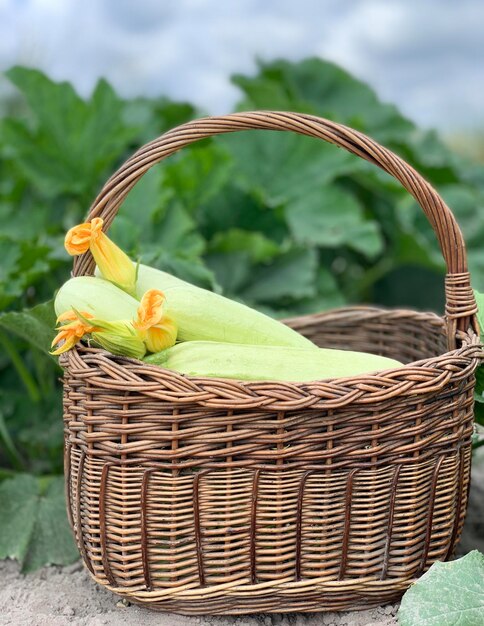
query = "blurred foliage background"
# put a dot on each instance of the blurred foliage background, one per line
(285, 223)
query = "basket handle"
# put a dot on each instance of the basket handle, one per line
(460, 307)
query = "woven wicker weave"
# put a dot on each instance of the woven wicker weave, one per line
(202, 495)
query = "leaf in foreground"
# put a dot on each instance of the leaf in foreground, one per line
(33, 522)
(449, 594)
(35, 325)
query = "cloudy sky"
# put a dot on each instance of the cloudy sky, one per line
(427, 56)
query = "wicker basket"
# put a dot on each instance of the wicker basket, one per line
(203, 496)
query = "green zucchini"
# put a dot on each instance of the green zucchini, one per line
(89, 294)
(250, 362)
(202, 315)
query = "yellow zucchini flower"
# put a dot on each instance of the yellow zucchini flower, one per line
(118, 337)
(71, 332)
(159, 331)
(112, 262)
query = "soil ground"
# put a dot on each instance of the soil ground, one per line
(57, 596)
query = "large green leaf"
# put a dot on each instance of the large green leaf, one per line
(367, 239)
(174, 231)
(413, 240)
(171, 238)
(35, 427)
(198, 173)
(280, 166)
(25, 264)
(233, 270)
(291, 276)
(155, 116)
(70, 143)
(33, 522)
(234, 208)
(449, 594)
(134, 222)
(233, 255)
(328, 296)
(35, 325)
(321, 87)
(331, 217)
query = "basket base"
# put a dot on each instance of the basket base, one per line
(331, 596)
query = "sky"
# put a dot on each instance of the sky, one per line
(426, 56)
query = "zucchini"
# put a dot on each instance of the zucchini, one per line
(97, 296)
(202, 315)
(249, 362)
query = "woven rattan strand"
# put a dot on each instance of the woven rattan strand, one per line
(199, 495)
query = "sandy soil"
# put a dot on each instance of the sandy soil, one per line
(56, 596)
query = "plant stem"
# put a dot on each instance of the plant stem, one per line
(24, 374)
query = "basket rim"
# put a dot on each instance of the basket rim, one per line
(422, 376)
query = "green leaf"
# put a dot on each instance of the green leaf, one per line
(192, 270)
(35, 427)
(259, 248)
(174, 231)
(138, 210)
(36, 325)
(412, 248)
(11, 283)
(26, 263)
(329, 296)
(70, 143)
(367, 239)
(33, 522)
(321, 87)
(279, 166)
(126, 233)
(234, 208)
(331, 217)
(413, 239)
(324, 217)
(449, 594)
(480, 309)
(291, 275)
(198, 173)
(329, 292)
(232, 270)
(155, 116)
(170, 114)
